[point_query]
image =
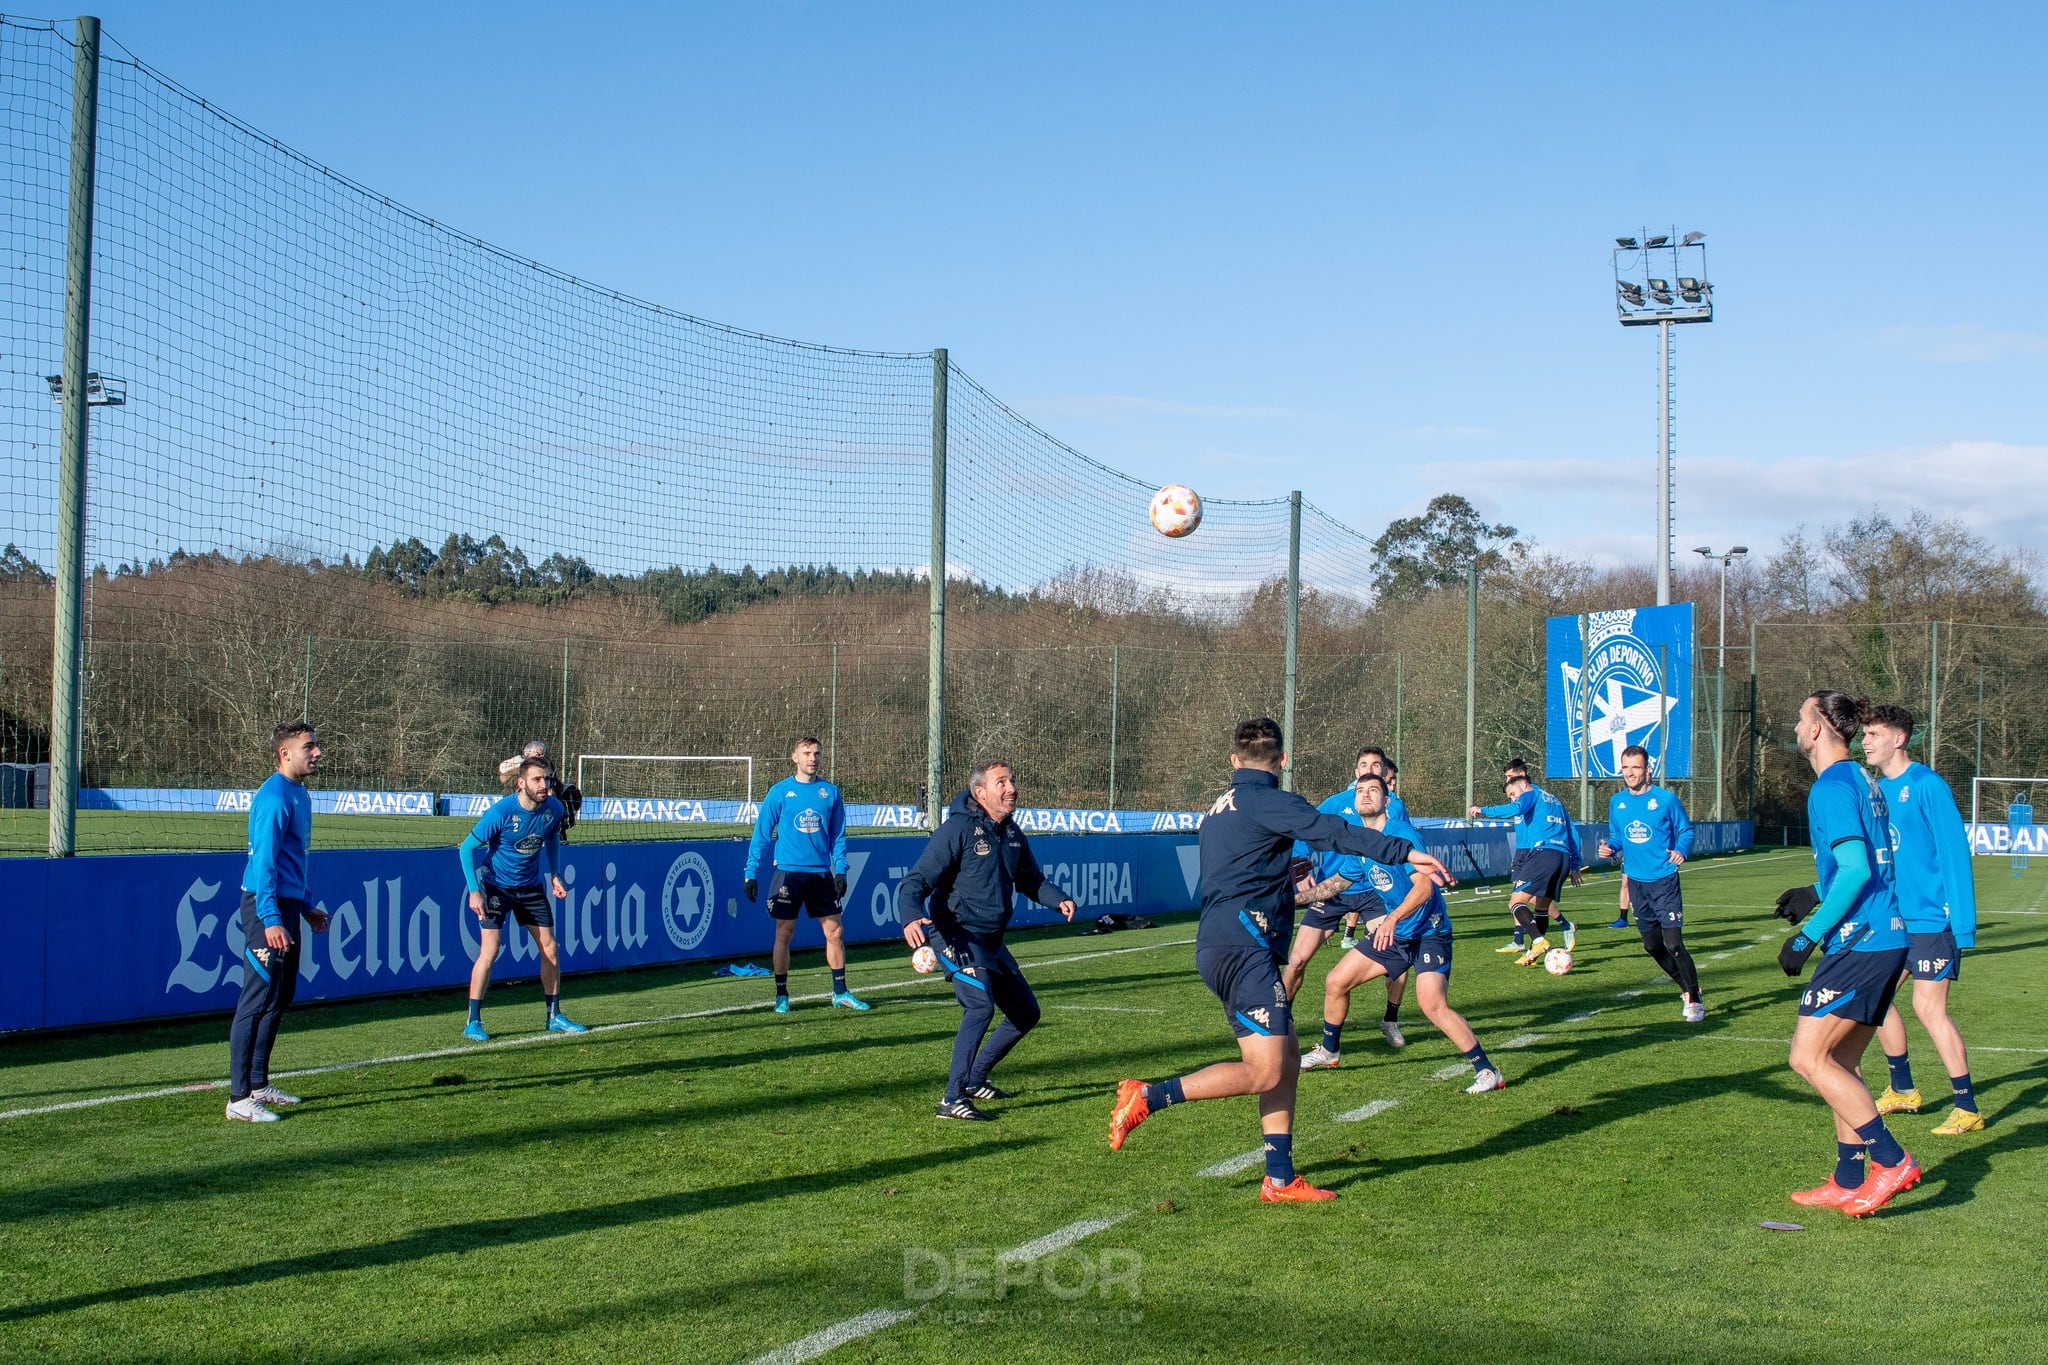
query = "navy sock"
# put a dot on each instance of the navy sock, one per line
(782, 983)
(839, 981)
(554, 1004)
(1160, 1094)
(1966, 1094)
(1849, 1165)
(1884, 1148)
(1477, 1056)
(1280, 1158)
(1393, 1014)
(1333, 1037)
(476, 1011)
(1902, 1074)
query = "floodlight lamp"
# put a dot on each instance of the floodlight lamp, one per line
(1693, 239)
(1626, 243)
(1692, 296)
(1706, 550)
(1684, 283)
(1659, 284)
(1659, 240)
(1739, 550)
(1662, 298)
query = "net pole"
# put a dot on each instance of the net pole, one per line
(935, 680)
(1397, 709)
(1293, 627)
(306, 708)
(832, 754)
(1115, 671)
(1471, 674)
(64, 682)
(1933, 691)
(564, 750)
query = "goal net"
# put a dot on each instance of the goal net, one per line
(2002, 818)
(667, 777)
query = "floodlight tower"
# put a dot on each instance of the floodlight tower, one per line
(1645, 270)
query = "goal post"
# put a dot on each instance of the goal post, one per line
(688, 776)
(2002, 822)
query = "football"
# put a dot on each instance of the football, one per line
(1557, 962)
(924, 959)
(1176, 511)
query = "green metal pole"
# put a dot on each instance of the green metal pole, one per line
(935, 681)
(306, 710)
(1397, 708)
(562, 753)
(1293, 627)
(832, 761)
(1471, 674)
(1115, 680)
(64, 675)
(1933, 689)
(1753, 774)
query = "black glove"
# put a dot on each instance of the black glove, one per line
(572, 805)
(838, 886)
(753, 889)
(1796, 904)
(1792, 957)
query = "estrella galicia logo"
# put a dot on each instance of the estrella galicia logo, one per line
(1620, 696)
(1381, 879)
(1637, 832)
(687, 898)
(530, 844)
(809, 821)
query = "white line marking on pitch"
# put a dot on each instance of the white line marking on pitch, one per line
(527, 1040)
(1099, 1009)
(1451, 1072)
(1242, 1162)
(837, 1335)
(1525, 1039)
(1582, 1016)
(1366, 1111)
(1040, 1247)
(1630, 995)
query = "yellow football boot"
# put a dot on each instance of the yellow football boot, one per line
(1959, 1122)
(1899, 1102)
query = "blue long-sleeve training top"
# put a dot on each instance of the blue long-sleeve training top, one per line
(805, 822)
(1845, 807)
(1648, 828)
(1931, 855)
(513, 843)
(1541, 821)
(1245, 840)
(280, 832)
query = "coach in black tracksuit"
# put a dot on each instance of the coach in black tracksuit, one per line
(971, 871)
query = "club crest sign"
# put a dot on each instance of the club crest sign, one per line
(1620, 678)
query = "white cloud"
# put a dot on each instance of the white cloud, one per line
(1962, 343)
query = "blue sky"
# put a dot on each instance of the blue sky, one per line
(1360, 250)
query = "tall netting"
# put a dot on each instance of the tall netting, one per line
(442, 500)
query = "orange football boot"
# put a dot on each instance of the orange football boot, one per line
(1295, 1191)
(1131, 1110)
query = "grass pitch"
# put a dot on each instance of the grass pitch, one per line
(722, 1187)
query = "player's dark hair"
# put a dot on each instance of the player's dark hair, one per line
(1373, 778)
(1637, 751)
(1393, 768)
(1375, 750)
(979, 772)
(532, 761)
(285, 731)
(1259, 741)
(1843, 713)
(1514, 767)
(802, 740)
(1890, 715)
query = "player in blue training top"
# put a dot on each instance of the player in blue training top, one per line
(1851, 913)
(274, 901)
(503, 856)
(1247, 911)
(1648, 830)
(803, 821)
(1546, 854)
(1325, 918)
(1409, 927)
(1938, 897)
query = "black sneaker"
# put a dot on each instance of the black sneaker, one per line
(961, 1109)
(985, 1091)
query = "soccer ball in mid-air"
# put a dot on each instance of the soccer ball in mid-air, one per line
(1557, 962)
(1176, 511)
(924, 959)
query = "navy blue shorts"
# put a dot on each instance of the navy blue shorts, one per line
(1657, 903)
(1853, 985)
(792, 893)
(1934, 957)
(1419, 954)
(1329, 916)
(1247, 981)
(1540, 872)
(527, 904)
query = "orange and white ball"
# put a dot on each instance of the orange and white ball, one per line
(1176, 511)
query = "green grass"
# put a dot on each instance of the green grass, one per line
(711, 1189)
(26, 832)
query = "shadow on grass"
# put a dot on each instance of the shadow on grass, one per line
(1961, 1169)
(489, 1234)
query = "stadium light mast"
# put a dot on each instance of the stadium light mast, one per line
(1661, 279)
(1726, 557)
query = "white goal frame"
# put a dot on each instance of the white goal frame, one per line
(582, 759)
(1976, 806)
